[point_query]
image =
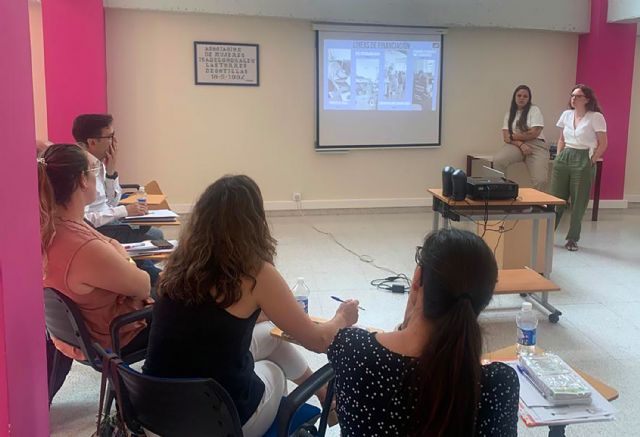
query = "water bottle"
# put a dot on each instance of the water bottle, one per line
(527, 322)
(301, 293)
(142, 196)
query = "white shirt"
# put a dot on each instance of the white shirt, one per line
(105, 208)
(583, 136)
(534, 119)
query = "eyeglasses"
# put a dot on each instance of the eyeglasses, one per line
(95, 169)
(578, 96)
(111, 137)
(418, 255)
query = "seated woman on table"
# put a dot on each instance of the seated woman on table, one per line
(92, 270)
(523, 139)
(218, 283)
(426, 379)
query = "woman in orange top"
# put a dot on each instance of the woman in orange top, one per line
(89, 268)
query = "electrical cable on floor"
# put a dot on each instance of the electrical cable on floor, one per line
(367, 259)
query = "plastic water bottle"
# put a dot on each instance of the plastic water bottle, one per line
(301, 293)
(142, 196)
(527, 322)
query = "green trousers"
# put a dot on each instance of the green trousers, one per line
(571, 179)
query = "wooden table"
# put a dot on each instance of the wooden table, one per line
(530, 204)
(154, 201)
(279, 333)
(596, 185)
(509, 354)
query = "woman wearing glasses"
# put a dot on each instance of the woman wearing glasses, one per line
(582, 142)
(89, 268)
(426, 379)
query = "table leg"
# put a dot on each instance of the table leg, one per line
(557, 431)
(548, 245)
(535, 226)
(596, 192)
(436, 220)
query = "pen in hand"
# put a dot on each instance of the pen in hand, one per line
(342, 300)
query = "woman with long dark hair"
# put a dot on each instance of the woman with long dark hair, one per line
(582, 142)
(523, 138)
(220, 282)
(92, 270)
(426, 379)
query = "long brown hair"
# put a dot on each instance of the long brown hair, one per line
(459, 274)
(227, 239)
(59, 171)
(513, 110)
(593, 104)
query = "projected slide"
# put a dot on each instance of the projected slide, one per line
(365, 75)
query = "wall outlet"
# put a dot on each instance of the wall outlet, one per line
(297, 197)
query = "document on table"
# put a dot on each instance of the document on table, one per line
(535, 410)
(153, 215)
(147, 248)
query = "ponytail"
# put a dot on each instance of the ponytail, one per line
(448, 375)
(47, 209)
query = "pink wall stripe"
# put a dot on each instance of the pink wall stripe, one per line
(75, 62)
(605, 63)
(23, 372)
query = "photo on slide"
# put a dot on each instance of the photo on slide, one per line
(339, 76)
(367, 73)
(395, 70)
(423, 82)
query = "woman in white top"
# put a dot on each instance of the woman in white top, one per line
(523, 139)
(582, 142)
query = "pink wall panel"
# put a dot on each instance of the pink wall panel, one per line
(605, 63)
(23, 372)
(75, 62)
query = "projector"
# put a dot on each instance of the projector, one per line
(483, 188)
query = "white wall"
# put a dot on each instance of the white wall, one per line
(560, 15)
(187, 136)
(632, 172)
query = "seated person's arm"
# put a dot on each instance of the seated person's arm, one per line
(99, 265)
(531, 134)
(273, 295)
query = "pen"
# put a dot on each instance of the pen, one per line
(341, 300)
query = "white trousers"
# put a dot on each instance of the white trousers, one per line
(276, 361)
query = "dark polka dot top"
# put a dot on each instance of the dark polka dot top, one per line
(371, 400)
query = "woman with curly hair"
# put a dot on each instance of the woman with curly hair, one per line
(220, 282)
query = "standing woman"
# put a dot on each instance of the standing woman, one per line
(523, 138)
(582, 142)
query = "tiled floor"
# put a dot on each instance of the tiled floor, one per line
(599, 331)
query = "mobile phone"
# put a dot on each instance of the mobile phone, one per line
(162, 244)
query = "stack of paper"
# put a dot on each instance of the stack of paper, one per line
(155, 215)
(535, 410)
(147, 248)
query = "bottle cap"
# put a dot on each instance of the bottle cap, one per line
(300, 279)
(526, 306)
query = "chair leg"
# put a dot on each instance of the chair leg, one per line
(53, 374)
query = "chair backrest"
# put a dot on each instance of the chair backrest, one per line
(64, 322)
(194, 407)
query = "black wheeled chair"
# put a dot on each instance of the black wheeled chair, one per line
(64, 322)
(200, 407)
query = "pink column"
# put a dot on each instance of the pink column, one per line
(605, 63)
(23, 369)
(75, 62)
